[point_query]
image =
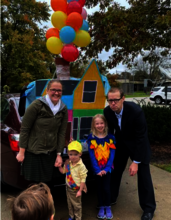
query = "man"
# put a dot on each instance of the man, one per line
(127, 122)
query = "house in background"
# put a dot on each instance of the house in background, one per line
(84, 98)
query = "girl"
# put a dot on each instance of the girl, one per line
(102, 151)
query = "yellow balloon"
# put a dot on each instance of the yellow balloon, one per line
(54, 45)
(58, 19)
(82, 38)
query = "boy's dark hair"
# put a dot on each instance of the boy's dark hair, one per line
(34, 203)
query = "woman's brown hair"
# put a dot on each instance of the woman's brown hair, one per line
(53, 81)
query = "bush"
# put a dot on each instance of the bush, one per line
(159, 122)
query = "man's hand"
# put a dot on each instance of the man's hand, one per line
(79, 193)
(58, 161)
(133, 169)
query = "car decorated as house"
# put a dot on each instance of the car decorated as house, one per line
(84, 98)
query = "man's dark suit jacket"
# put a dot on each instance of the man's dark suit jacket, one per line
(133, 137)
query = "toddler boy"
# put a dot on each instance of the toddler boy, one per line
(76, 174)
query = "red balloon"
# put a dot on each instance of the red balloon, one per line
(75, 20)
(82, 2)
(74, 7)
(70, 53)
(59, 5)
(52, 32)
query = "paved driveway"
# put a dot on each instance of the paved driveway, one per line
(127, 207)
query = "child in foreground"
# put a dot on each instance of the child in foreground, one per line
(102, 151)
(76, 174)
(34, 203)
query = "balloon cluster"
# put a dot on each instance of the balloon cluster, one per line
(70, 27)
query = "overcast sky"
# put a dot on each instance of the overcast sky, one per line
(104, 55)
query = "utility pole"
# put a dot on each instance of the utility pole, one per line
(165, 90)
(133, 83)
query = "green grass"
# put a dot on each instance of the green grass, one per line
(137, 94)
(166, 167)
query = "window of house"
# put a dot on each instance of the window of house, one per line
(89, 91)
(75, 128)
(85, 127)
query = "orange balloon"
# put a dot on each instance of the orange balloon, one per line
(75, 20)
(59, 5)
(52, 32)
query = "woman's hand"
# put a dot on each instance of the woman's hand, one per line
(58, 161)
(21, 155)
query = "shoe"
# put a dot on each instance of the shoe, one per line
(109, 214)
(101, 213)
(147, 216)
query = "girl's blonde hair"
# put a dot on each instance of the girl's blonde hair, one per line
(93, 130)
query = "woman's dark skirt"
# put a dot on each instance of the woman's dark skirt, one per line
(38, 167)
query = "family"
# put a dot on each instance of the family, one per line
(120, 133)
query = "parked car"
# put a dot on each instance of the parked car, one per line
(10, 132)
(157, 94)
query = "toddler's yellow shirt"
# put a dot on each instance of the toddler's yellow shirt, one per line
(78, 172)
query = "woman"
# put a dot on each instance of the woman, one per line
(42, 136)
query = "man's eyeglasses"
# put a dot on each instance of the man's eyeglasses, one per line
(56, 90)
(114, 100)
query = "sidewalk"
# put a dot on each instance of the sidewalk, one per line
(127, 207)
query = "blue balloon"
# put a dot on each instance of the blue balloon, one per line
(72, 1)
(67, 34)
(84, 26)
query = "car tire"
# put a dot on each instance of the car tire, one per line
(158, 100)
(4, 187)
(3, 184)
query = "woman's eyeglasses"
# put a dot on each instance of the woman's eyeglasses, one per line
(55, 90)
(114, 100)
